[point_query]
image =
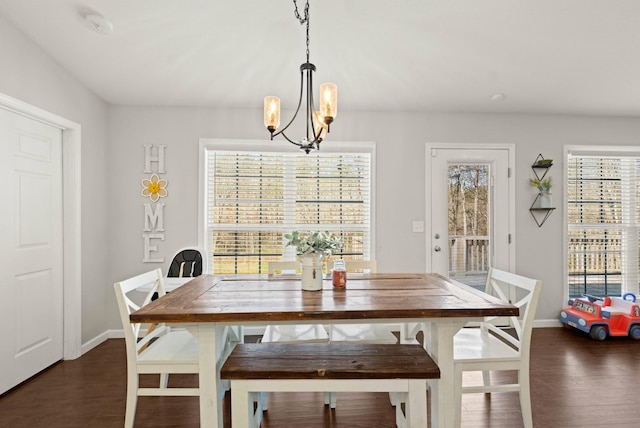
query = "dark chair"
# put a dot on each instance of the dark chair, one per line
(188, 262)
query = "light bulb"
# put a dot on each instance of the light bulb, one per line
(272, 113)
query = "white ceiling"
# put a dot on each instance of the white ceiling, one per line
(546, 56)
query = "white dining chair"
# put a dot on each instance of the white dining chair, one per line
(290, 333)
(359, 333)
(154, 350)
(284, 267)
(158, 348)
(365, 266)
(490, 348)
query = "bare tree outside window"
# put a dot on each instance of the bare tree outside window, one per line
(469, 244)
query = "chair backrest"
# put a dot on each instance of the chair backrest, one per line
(188, 262)
(370, 266)
(151, 282)
(278, 267)
(505, 285)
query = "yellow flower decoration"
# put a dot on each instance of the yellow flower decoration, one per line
(154, 188)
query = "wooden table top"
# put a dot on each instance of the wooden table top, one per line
(261, 298)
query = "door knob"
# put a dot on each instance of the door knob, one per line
(437, 248)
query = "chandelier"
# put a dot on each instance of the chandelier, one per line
(318, 121)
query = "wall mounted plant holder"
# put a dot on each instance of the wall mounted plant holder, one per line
(540, 215)
(541, 166)
(541, 207)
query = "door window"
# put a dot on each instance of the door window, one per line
(468, 223)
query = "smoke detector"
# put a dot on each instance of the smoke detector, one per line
(498, 97)
(99, 24)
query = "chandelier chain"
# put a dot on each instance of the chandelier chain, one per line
(303, 19)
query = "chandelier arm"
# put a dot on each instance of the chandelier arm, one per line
(309, 104)
(307, 147)
(316, 138)
(297, 109)
(297, 143)
(311, 111)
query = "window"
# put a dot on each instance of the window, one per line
(603, 212)
(255, 196)
(468, 225)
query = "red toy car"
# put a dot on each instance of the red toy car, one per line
(602, 317)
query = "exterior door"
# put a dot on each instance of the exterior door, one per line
(469, 202)
(31, 257)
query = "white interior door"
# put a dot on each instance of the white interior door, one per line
(470, 206)
(31, 257)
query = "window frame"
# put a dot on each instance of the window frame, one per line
(584, 150)
(209, 144)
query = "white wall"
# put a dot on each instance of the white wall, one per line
(30, 75)
(400, 139)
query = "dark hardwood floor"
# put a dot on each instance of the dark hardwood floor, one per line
(576, 382)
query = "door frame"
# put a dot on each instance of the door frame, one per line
(511, 150)
(72, 260)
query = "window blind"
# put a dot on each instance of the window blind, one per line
(254, 198)
(603, 224)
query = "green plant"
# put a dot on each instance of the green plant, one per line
(316, 242)
(545, 162)
(542, 185)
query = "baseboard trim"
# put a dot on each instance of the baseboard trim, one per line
(109, 334)
(255, 331)
(547, 323)
(92, 343)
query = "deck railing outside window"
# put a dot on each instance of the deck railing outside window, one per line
(469, 259)
(603, 210)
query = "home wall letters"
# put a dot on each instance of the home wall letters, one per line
(153, 188)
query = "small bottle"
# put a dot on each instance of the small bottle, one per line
(339, 274)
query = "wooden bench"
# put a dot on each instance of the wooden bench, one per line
(270, 367)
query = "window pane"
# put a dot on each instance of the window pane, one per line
(594, 191)
(245, 252)
(255, 198)
(327, 213)
(595, 262)
(469, 223)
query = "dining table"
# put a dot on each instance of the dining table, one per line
(437, 305)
